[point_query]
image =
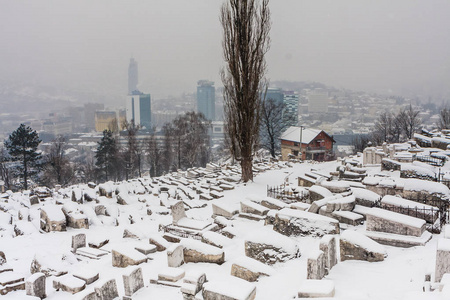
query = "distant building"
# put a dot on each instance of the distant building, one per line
(275, 94)
(89, 113)
(105, 120)
(206, 99)
(138, 109)
(290, 113)
(316, 144)
(132, 76)
(318, 101)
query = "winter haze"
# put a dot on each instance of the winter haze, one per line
(399, 47)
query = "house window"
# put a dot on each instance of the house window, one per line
(295, 152)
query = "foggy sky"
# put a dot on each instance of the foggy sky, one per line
(385, 46)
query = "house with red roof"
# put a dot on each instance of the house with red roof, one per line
(315, 144)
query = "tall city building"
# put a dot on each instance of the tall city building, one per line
(206, 99)
(318, 101)
(290, 113)
(132, 76)
(138, 109)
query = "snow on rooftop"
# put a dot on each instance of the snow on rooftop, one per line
(293, 134)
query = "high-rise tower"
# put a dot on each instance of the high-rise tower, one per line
(206, 99)
(132, 76)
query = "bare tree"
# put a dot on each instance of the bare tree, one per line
(246, 26)
(444, 118)
(58, 169)
(274, 121)
(132, 153)
(4, 170)
(409, 120)
(154, 155)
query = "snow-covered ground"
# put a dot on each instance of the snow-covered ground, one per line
(400, 276)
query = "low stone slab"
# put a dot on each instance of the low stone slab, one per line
(300, 206)
(215, 239)
(125, 257)
(235, 289)
(316, 289)
(272, 203)
(196, 251)
(386, 221)
(69, 283)
(341, 204)
(249, 207)
(348, 217)
(171, 274)
(195, 279)
(77, 220)
(270, 247)
(398, 240)
(318, 204)
(88, 275)
(365, 197)
(160, 243)
(224, 210)
(35, 285)
(317, 192)
(133, 282)
(11, 281)
(250, 269)
(356, 246)
(292, 222)
(145, 248)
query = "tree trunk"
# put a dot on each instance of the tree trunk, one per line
(247, 169)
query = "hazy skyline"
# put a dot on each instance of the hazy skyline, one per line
(383, 46)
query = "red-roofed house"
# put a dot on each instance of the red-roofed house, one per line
(316, 144)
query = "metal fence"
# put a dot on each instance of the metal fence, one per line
(435, 217)
(286, 194)
(434, 161)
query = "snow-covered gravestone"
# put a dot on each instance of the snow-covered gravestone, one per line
(316, 289)
(442, 259)
(328, 246)
(78, 241)
(35, 285)
(52, 218)
(230, 288)
(133, 282)
(108, 291)
(356, 246)
(175, 257)
(316, 265)
(178, 212)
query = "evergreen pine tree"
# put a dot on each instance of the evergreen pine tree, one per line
(22, 145)
(106, 155)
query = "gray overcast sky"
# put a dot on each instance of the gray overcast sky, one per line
(381, 45)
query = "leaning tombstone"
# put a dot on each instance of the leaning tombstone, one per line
(35, 285)
(78, 241)
(133, 282)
